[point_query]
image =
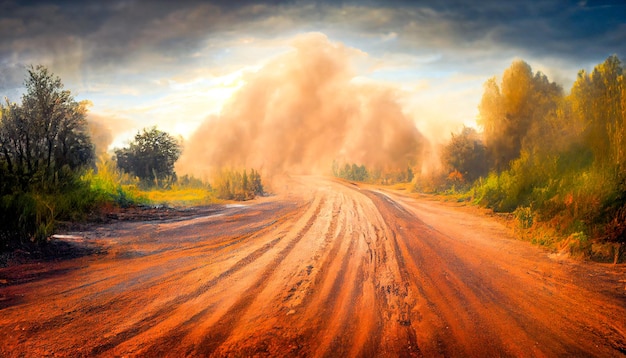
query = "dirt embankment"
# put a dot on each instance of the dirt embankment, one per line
(326, 270)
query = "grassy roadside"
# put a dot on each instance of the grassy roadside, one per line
(527, 225)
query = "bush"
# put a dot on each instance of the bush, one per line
(524, 216)
(111, 185)
(33, 215)
(235, 185)
(579, 245)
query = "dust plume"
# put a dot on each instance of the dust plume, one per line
(300, 112)
(102, 130)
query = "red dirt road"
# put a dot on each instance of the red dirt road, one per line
(328, 270)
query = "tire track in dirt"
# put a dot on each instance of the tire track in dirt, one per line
(299, 303)
(305, 302)
(453, 307)
(224, 317)
(337, 293)
(509, 300)
(495, 317)
(224, 326)
(332, 270)
(147, 322)
(512, 299)
(118, 304)
(393, 296)
(345, 287)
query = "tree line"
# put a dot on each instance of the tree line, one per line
(558, 157)
(47, 160)
(361, 173)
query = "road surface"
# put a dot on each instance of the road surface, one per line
(328, 269)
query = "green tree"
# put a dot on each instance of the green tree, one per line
(151, 156)
(44, 145)
(353, 172)
(46, 133)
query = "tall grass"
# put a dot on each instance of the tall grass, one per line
(561, 201)
(125, 190)
(111, 185)
(33, 214)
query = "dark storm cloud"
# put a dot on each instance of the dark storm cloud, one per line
(117, 28)
(579, 30)
(84, 37)
(105, 34)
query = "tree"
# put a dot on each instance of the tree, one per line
(466, 155)
(43, 147)
(517, 107)
(151, 156)
(597, 100)
(46, 133)
(354, 172)
(492, 120)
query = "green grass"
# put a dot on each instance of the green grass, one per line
(179, 196)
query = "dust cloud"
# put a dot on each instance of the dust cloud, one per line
(300, 112)
(103, 129)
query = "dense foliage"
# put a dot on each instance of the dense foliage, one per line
(151, 157)
(48, 171)
(556, 161)
(44, 146)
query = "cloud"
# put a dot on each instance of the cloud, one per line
(79, 38)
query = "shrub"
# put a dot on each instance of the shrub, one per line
(235, 185)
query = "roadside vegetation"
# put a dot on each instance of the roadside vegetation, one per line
(238, 185)
(45, 146)
(49, 173)
(360, 173)
(556, 161)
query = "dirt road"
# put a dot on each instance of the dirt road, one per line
(330, 269)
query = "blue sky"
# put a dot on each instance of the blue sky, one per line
(172, 64)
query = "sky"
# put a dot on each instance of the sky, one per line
(174, 64)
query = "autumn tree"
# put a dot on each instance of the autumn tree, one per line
(509, 112)
(254, 183)
(545, 127)
(150, 156)
(598, 102)
(560, 158)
